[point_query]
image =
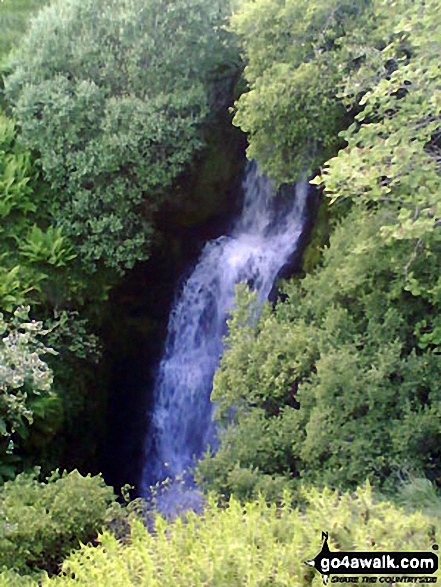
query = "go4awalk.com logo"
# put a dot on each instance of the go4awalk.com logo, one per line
(398, 564)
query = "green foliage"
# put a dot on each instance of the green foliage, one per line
(293, 61)
(36, 255)
(46, 247)
(39, 268)
(72, 333)
(117, 117)
(252, 545)
(393, 154)
(42, 522)
(36, 268)
(8, 578)
(346, 336)
(14, 170)
(319, 237)
(16, 205)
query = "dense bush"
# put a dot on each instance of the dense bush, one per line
(114, 95)
(254, 545)
(349, 336)
(42, 522)
(21, 275)
(36, 270)
(38, 263)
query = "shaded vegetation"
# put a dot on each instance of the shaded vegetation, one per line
(113, 119)
(42, 522)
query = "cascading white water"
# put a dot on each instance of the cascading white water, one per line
(262, 241)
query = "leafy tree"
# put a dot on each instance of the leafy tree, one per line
(292, 52)
(118, 116)
(387, 163)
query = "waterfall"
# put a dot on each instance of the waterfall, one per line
(261, 242)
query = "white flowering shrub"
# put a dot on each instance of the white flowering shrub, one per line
(25, 377)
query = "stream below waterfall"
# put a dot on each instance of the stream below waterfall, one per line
(262, 241)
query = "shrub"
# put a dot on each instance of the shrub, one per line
(255, 545)
(25, 383)
(42, 522)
